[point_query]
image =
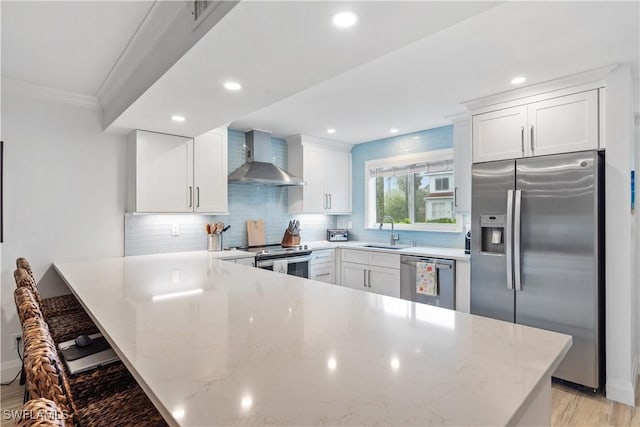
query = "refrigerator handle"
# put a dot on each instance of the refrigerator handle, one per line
(516, 240)
(509, 239)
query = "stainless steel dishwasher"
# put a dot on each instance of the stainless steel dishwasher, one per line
(446, 279)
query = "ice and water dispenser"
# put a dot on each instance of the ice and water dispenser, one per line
(492, 233)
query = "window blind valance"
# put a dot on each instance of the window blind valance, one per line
(441, 166)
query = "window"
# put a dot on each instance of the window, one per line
(416, 190)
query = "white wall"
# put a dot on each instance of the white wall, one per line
(621, 285)
(636, 278)
(64, 193)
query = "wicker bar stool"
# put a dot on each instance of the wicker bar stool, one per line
(26, 305)
(54, 306)
(43, 368)
(63, 327)
(47, 378)
(85, 386)
(40, 413)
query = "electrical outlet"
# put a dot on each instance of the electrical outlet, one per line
(15, 339)
(175, 229)
(349, 225)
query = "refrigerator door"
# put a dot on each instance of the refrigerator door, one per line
(559, 256)
(492, 292)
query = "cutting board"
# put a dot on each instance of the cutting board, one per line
(255, 232)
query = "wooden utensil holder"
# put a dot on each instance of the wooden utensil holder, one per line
(289, 239)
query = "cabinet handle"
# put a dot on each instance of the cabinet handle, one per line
(330, 201)
(323, 274)
(455, 197)
(369, 273)
(190, 196)
(326, 202)
(364, 280)
(531, 139)
(522, 139)
(198, 198)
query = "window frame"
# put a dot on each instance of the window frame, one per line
(403, 160)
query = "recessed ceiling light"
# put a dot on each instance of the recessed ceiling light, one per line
(177, 118)
(345, 19)
(393, 130)
(415, 137)
(518, 80)
(331, 130)
(234, 86)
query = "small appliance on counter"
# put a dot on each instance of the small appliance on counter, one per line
(337, 234)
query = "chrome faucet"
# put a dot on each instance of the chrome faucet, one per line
(394, 236)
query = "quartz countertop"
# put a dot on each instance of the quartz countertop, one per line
(218, 343)
(430, 251)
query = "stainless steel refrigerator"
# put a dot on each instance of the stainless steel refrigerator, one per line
(537, 252)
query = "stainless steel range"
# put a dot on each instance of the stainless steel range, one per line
(296, 258)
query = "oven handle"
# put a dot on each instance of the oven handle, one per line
(291, 260)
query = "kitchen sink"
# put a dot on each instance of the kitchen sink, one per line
(383, 246)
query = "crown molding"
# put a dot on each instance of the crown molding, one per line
(45, 93)
(597, 76)
(459, 117)
(156, 22)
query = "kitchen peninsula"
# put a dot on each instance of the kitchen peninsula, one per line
(217, 343)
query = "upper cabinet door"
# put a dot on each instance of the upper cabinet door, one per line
(164, 173)
(500, 135)
(462, 165)
(315, 196)
(564, 124)
(210, 172)
(338, 170)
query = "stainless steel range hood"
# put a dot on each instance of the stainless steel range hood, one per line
(258, 169)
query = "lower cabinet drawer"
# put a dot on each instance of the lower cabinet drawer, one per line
(246, 261)
(323, 273)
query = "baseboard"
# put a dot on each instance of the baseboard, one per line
(621, 391)
(10, 369)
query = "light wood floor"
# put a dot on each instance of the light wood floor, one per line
(569, 408)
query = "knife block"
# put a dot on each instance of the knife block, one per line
(289, 239)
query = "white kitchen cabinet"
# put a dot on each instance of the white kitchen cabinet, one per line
(376, 272)
(462, 164)
(322, 266)
(210, 171)
(500, 135)
(559, 124)
(163, 172)
(354, 275)
(463, 286)
(176, 174)
(326, 168)
(384, 281)
(314, 193)
(564, 124)
(338, 170)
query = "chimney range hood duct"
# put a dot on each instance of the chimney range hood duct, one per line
(258, 169)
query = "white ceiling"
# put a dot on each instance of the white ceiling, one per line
(417, 86)
(405, 65)
(70, 45)
(277, 49)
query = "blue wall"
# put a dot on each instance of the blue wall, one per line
(427, 140)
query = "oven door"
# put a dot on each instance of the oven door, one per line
(297, 266)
